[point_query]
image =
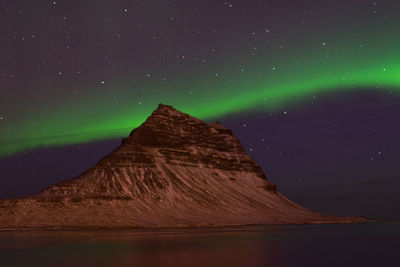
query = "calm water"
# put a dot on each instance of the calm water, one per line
(304, 245)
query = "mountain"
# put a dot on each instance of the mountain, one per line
(174, 170)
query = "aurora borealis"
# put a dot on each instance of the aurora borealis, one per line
(72, 73)
(311, 89)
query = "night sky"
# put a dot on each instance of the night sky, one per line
(311, 88)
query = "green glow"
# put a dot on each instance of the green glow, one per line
(203, 94)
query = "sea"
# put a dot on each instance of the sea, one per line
(369, 244)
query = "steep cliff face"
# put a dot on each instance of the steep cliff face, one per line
(173, 170)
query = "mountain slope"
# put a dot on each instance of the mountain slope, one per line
(173, 170)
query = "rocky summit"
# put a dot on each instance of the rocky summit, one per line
(174, 170)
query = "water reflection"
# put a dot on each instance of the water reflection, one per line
(306, 245)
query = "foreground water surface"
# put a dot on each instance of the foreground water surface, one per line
(376, 244)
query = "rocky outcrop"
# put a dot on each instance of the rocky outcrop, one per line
(173, 170)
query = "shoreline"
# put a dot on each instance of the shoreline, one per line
(186, 227)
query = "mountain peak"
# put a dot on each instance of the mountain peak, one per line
(162, 106)
(167, 110)
(169, 127)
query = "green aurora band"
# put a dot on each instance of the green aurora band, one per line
(205, 95)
